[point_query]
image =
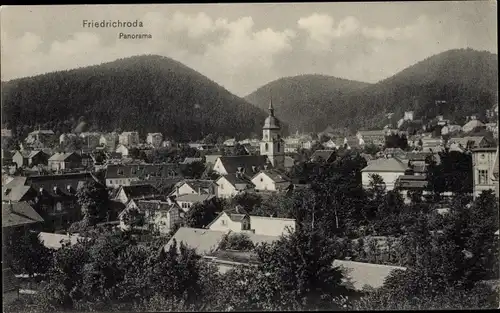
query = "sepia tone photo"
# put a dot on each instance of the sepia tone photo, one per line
(250, 157)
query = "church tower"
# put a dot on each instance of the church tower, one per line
(272, 144)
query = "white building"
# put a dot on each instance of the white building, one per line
(130, 139)
(389, 169)
(272, 145)
(154, 139)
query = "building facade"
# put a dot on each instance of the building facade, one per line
(272, 145)
(483, 162)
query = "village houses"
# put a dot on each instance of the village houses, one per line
(154, 139)
(129, 139)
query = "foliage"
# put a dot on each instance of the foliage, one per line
(93, 198)
(396, 141)
(202, 214)
(193, 170)
(25, 253)
(133, 218)
(465, 78)
(126, 94)
(247, 200)
(453, 173)
(237, 241)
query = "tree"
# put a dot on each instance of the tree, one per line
(133, 218)
(93, 198)
(27, 255)
(293, 273)
(193, 170)
(202, 214)
(237, 241)
(247, 200)
(238, 150)
(210, 139)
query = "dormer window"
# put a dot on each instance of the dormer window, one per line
(55, 189)
(120, 171)
(40, 190)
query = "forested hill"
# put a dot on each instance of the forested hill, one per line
(302, 100)
(466, 79)
(144, 93)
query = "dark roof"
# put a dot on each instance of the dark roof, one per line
(231, 163)
(139, 191)
(237, 217)
(142, 170)
(62, 181)
(10, 282)
(272, 122)
(323, 154)
(17, 193)
(418, 156)
(155, 205)
(237, 179)
(63, 156)
(19, 213)
(197, 183)
(411, 182)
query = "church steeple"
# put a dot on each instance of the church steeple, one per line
(271, 108)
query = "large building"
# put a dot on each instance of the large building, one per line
(484, 161)
(272, 144)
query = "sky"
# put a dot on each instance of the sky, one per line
(244, 46)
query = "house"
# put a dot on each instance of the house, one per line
(388, 168)
(323, 155)
(472, 124)
(484, 161)
(40, 137)
(271, 226)
(109, 140)
(30, 158)
(123, 150)
(353, 143)
(134, 192)
(210, 159)
(65, 161)
(358, 275)
(271, 180)
(431, 142)
(188, 160)
(252, 225)
(248, 164)
(308, 144)
(293, 144)
(493, 127)
(230, 142)
(129, 139)
(203, 241)
(194, 186)
(330, 144)
(154, 139)
(406, 184)
(65, 139)
(230, 222)
(188, 200)
(376, 137)
(450, 129)
(471, 142)
(56, 197)
(126, 174)
(56, 241)
(6, 137)
(7, 157)
(232, 184)
(10, 286)
(90, 139)
(160, 216)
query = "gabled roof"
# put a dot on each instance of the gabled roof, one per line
(62, 181)
(359, 274)
(17, 193)
(473, 124)
(139, 170)
(275, 175)
(55, 241)
(368, 133)
(29, 154)
(191, 160)
(204, 241)
(62, 156)
(19, 213)
(196, 184)
(386, 165)
(155, 205)
(139, 191)
(193, 198)
(211, 158)
(323, 154)
(239, 182)
(237, 217)
(231, 163)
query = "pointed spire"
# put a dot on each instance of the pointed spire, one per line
(271, 108)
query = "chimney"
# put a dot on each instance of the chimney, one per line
(199, 190)
(177, 189)
(254, 168)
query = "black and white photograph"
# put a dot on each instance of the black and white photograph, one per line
(329, 156)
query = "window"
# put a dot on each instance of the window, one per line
(221, 186)
(223, 222)
(279, 147)
(266, 147)
(261, 179)
(58, 207)
(120, 171)
(482, 177)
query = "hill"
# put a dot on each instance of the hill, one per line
(466, 79)
(302, 100)
(145, 93)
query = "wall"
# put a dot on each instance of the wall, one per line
(483, 160)
(388, 177)
(270, 226)
(226, 189)
(263, 182)
(224, 223)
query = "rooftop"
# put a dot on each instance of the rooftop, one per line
(204, 241)
(386, 165)
(19, 213)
